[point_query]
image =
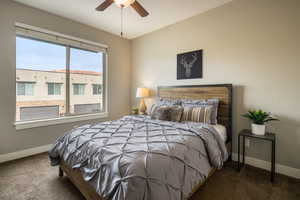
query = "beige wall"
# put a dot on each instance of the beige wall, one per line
(253, 44)
(119, 73)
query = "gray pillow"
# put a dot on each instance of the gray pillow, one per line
(176, 113)
(165, 102)
(161, 113)
(204, 102)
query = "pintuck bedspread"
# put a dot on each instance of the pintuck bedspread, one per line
(136, 158)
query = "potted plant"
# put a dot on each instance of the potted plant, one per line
(259, 119)
(135, 110)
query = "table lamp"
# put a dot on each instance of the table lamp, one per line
(142, 93)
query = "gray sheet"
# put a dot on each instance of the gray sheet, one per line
(139, 158)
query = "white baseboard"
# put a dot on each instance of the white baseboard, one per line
(24, 153)
(281, 169)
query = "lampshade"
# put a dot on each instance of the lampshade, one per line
(142, 92)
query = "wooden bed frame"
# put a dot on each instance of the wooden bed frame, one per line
(223, 92)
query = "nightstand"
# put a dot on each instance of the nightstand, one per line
(268, 137)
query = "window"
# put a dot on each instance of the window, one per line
(84, 75)
(97, 89)
(66, 69)
(38, 63)
(25, 89)
(78, 89)
(54, 88)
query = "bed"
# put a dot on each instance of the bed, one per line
(136, 157)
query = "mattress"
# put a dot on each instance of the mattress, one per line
(221, 130)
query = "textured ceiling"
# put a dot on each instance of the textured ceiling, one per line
(162, 13)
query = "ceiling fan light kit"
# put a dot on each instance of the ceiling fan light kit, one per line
(124, 3)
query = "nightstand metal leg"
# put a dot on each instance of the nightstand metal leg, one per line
(60, 172)
(273, 162)
(244, 150)
(239, 167)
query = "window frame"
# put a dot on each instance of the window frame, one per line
(69, 117)
(24, 82)
(54, 84)
(79, 89)
(97, 89)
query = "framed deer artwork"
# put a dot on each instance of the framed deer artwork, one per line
(189, 65)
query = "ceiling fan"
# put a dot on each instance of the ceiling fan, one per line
(123, 4)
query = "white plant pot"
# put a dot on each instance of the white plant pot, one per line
(258, 129)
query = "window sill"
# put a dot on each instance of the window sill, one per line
(62, 120)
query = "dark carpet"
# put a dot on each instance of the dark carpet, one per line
(32, 178)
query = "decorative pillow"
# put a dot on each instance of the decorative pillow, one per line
(161, 113)
(165, 102)
(204, 102)
(176, 113)
(197, 114)
(153, 107)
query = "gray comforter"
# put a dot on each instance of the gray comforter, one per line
(136, 158)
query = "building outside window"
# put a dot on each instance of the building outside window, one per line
(25, 88)
(54, 88)
(66, 69)
(78, 89)
(97, 89)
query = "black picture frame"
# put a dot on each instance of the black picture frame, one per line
(189, 65)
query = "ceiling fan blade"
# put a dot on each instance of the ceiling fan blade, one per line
(104, 5)
(139, 8)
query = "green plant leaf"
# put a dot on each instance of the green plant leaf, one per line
(259, 116)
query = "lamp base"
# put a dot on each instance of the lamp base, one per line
(143, 107)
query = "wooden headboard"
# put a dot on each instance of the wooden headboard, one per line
(223, 92)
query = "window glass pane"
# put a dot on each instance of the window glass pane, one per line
(29, 89)
(78, 89)
(94, 89)
(37, 64)
(86, 68)
(75, 89)
(50, 89)
(97, 89)
(20, 89)
(54, 89)
(81, 89)
(57, 89)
